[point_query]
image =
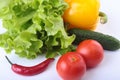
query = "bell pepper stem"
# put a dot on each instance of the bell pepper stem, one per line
(103, 17)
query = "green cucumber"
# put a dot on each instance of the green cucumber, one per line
(108, 42)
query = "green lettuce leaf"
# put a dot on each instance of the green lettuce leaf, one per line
(34, 27)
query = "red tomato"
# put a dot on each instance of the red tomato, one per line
(71, 66)
(92, 52)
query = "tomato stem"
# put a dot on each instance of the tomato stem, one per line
(103, 17)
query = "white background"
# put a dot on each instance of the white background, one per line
(109, 69)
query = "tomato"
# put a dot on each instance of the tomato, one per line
(71, 66)
(82, 14)
(92, 52)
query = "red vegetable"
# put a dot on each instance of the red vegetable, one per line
(71, 66)
(92, 52)
(33, 70)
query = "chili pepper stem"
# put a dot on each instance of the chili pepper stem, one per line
(103, 17)
(8, 60)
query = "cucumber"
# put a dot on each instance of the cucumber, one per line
(108, 42)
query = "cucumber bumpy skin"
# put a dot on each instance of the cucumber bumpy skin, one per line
(108, 42)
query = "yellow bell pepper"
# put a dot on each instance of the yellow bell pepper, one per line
(83, 14)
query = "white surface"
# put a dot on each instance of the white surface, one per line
(109, 69)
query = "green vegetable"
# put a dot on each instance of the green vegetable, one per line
(34, 27)
(108, 42)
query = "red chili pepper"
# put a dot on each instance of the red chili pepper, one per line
(29, 71)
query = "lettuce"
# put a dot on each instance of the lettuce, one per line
(34, 27)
